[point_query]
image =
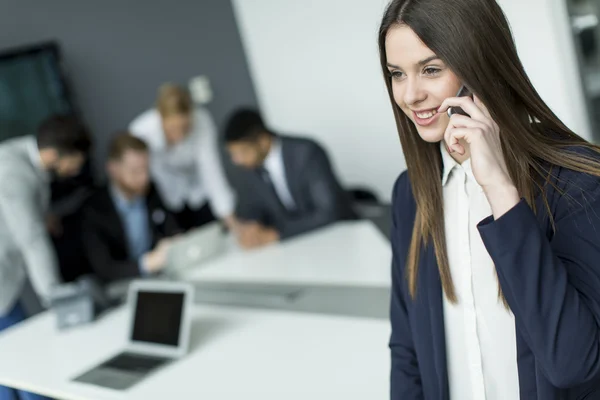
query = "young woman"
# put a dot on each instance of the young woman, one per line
(185, 162)
(496, 223)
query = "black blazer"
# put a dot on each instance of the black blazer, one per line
(551, 281)
(319, 198)
(104, 239)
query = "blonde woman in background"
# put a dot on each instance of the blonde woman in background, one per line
(185, 162)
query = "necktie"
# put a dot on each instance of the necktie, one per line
(266, 178)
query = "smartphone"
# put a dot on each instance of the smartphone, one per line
(462, 92)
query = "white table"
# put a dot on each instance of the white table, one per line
(347, 253)
(236, 353)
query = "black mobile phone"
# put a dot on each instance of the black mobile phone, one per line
(462, 92)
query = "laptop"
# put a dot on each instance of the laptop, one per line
(197, 246)
(159, 332)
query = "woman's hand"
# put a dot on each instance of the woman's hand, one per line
(482, 134)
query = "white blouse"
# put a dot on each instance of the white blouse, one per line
(189, 172)
(481, 344)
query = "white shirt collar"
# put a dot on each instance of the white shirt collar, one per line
(274, 155)
(450, 163)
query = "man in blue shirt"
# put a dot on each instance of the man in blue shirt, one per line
(125, 225)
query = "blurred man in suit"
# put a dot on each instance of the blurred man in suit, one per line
(125, 225)
(27, 164)
(292, 188)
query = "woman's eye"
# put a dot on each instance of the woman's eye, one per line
(396, 75)
(431, 71)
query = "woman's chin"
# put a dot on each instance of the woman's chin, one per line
(430, 135)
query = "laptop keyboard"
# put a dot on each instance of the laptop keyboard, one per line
(135, 362)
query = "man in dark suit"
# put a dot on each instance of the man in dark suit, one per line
(125, 225)
(292, 188)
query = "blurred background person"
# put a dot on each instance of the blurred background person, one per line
(27, 165)
(125, 224)
(185, 163)
(64, 221)
(293, 187)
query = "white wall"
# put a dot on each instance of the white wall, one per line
(315, 69)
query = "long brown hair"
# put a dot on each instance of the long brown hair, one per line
(474, 40)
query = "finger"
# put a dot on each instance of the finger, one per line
(454, 145)
(463, 121)
(447, 138)
(466, 103)
(466, 134)
(459, 121)
(481, 106)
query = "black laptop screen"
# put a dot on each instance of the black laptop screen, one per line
(158, 318)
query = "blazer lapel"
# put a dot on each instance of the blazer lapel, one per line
(433, 285)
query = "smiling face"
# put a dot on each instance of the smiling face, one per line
(420, 82)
